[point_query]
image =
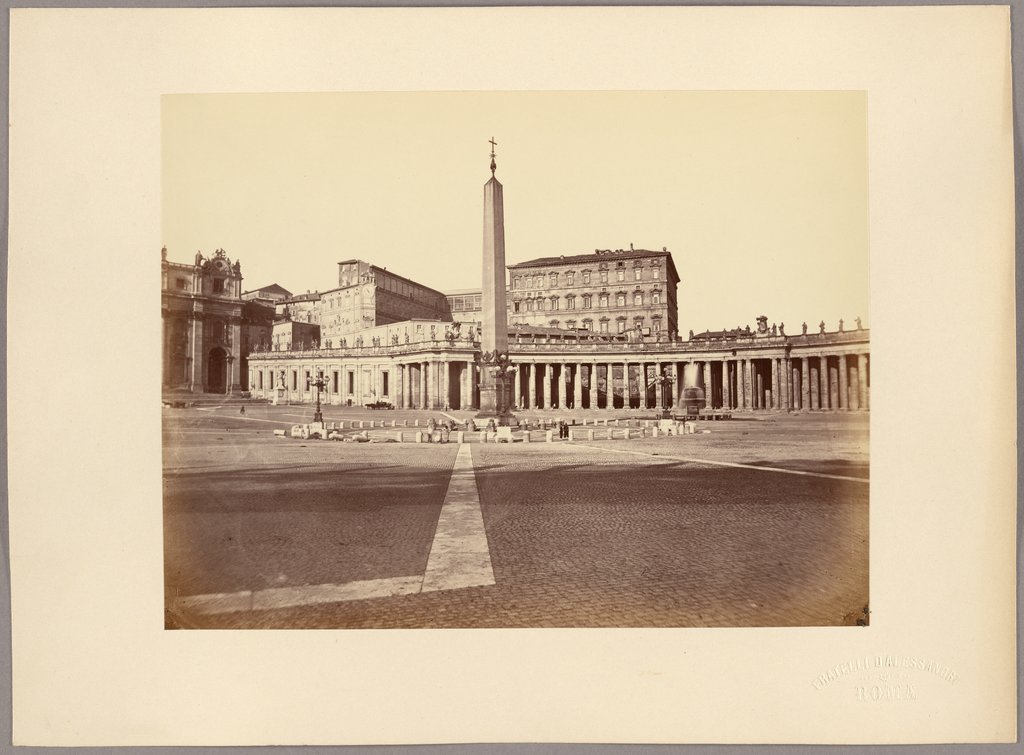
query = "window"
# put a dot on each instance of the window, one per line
(295, 379)
(181, 283)
(261, 379)
(638, 322)
(554, 303)
(554, 280)
(553, 323)
(604, 326)
(655, 273)
(307, 380)
(335, 389)
(604, 276)
(621, 325)
(620, 274)
(588, 324)
(351, 382)
(656, 297)
(384, 387)
(218, 285)
(515, 282)
(538, 282)
(620, 300)
(636, 273)
(656, 324)
(638, 299)
(529, 305)
(569, 278)
(586, 301)
(570, 302)
(515, 306)
(570, 324)
(602, 300)
(586, 276)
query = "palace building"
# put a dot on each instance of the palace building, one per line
(584, 331)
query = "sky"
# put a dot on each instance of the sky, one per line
(760, 196)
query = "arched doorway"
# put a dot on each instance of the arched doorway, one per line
(216, 371)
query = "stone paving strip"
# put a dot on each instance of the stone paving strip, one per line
(459, 557)
(724, 463)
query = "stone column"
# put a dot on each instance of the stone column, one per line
(709, 391)
(844, 396)
(234, 376)
(726, 392)
(833, 386)
(399, 387)
(546, 385)
(823, 376)
(560, 393)
(814, 383)
(775, 384)
(531, 386)
(428, 385)
(444, 397)
(592, 390)
(805, 385)
(784, 380)
(862, 375)
(197, 380)
(609, 390)
(854, 389)
(577, 386)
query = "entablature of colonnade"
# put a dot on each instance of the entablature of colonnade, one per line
(743, 347)
(753, 347)
(418, 351)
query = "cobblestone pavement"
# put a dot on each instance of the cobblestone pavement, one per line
(579, 534)
(279, 513)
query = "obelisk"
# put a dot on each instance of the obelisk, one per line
(494, 315)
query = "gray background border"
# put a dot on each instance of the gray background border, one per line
(1017, 9)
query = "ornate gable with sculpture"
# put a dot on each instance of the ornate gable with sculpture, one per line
(202, 307)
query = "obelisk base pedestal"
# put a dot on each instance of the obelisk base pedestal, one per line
(493, 399)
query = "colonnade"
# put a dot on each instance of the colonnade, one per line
(819, 382)
(781, 381)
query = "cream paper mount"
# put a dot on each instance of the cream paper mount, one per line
(92, 662)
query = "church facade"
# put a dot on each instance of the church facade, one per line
(202, 311)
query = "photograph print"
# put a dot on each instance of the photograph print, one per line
(632, 391)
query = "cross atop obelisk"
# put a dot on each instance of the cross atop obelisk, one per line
(494, 166)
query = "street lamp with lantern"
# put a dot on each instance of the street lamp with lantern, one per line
(320, 383)
(504, 372)
(663, 381)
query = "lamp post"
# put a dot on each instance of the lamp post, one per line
(663, 381)
(320, 383)
(501, 367)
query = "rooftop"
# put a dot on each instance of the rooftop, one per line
(598, 255)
